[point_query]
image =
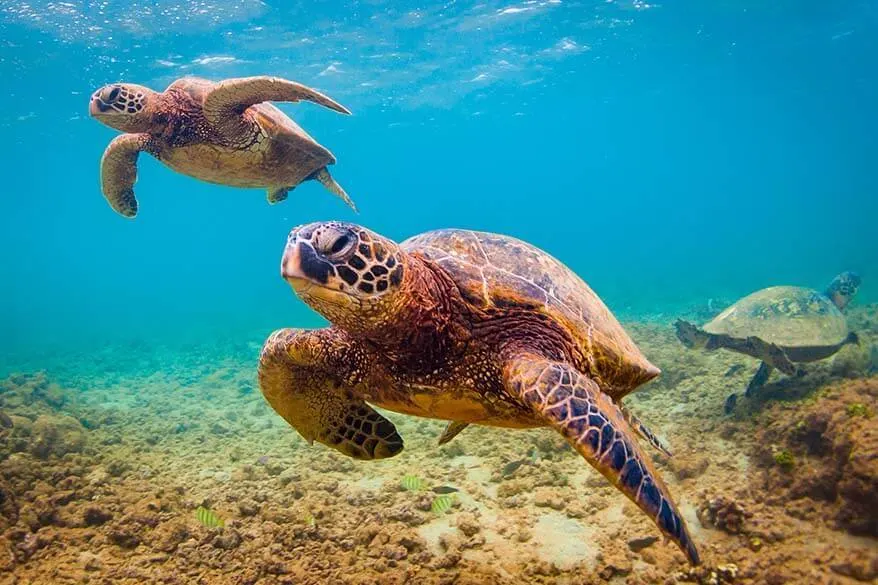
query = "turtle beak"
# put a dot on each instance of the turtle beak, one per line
(291, 267)
(96, 107)
(303, 267)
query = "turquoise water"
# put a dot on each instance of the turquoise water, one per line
(677, 156)
(668, 153)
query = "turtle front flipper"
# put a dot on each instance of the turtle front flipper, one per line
(771, 353)
(119, 171)
(756, 382)
(573, 404)
(759, 378)
(299, 377)
(231, 97)
(690, 335)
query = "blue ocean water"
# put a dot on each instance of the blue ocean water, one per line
(669, 153)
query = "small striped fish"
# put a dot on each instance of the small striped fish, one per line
(442, 504)
(412, 483)
(208, 518)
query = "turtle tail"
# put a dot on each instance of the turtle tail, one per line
(327, 181)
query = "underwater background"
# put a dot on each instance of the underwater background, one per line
(676, 156)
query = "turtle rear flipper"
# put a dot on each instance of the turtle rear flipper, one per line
(644, 432)
(574, 405)
(453, 429)
(325, 179)
(278, 194)
(301, 387)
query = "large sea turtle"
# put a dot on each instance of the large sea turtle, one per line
(469, 327)
(780, 325)
(224, 133)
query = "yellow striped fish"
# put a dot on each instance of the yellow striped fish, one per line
(208, 518)
(442, 504)
(412, 483)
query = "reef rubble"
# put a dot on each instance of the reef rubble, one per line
(100, 479)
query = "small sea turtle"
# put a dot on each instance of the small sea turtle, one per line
(469, 327)
(225, 133)
(780, 325)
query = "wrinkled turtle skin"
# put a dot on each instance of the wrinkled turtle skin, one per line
(467, 327)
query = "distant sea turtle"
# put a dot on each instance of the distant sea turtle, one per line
(780, 325)
(469, 327)
(224, 133)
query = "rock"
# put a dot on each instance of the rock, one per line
(861, 569)
(547, 499)
(125, 533)
(227, 539)
(117, 467)
(169, 535)
(8, 506)
(723, 514)
(688, 467)
(248, 508)
(219, 428)
(858, 485)
(95, 516)
(54, 396)
(834, 439)
(852, 361)
(615, 563)
(90, 561)
(56, 435)
(638, 544)
(468, 524)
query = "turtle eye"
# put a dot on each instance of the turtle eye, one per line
(340, 244)
(109, 94)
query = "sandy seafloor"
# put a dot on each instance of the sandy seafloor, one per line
(108, 457)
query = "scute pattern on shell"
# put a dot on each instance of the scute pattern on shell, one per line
(789, 316)
(500, 272)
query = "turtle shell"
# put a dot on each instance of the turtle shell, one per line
(789, 316)
(495, 272)
(275, 124)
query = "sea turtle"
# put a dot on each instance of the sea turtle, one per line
(780, 325)
(464, 326)
(224, 133)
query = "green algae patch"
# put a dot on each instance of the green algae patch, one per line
(785, 459)
(858, 409)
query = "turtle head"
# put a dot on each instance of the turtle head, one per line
(124, 106)
(843, 288)
(348, 274)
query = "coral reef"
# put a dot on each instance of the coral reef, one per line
(834, 444)
(723, 514)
